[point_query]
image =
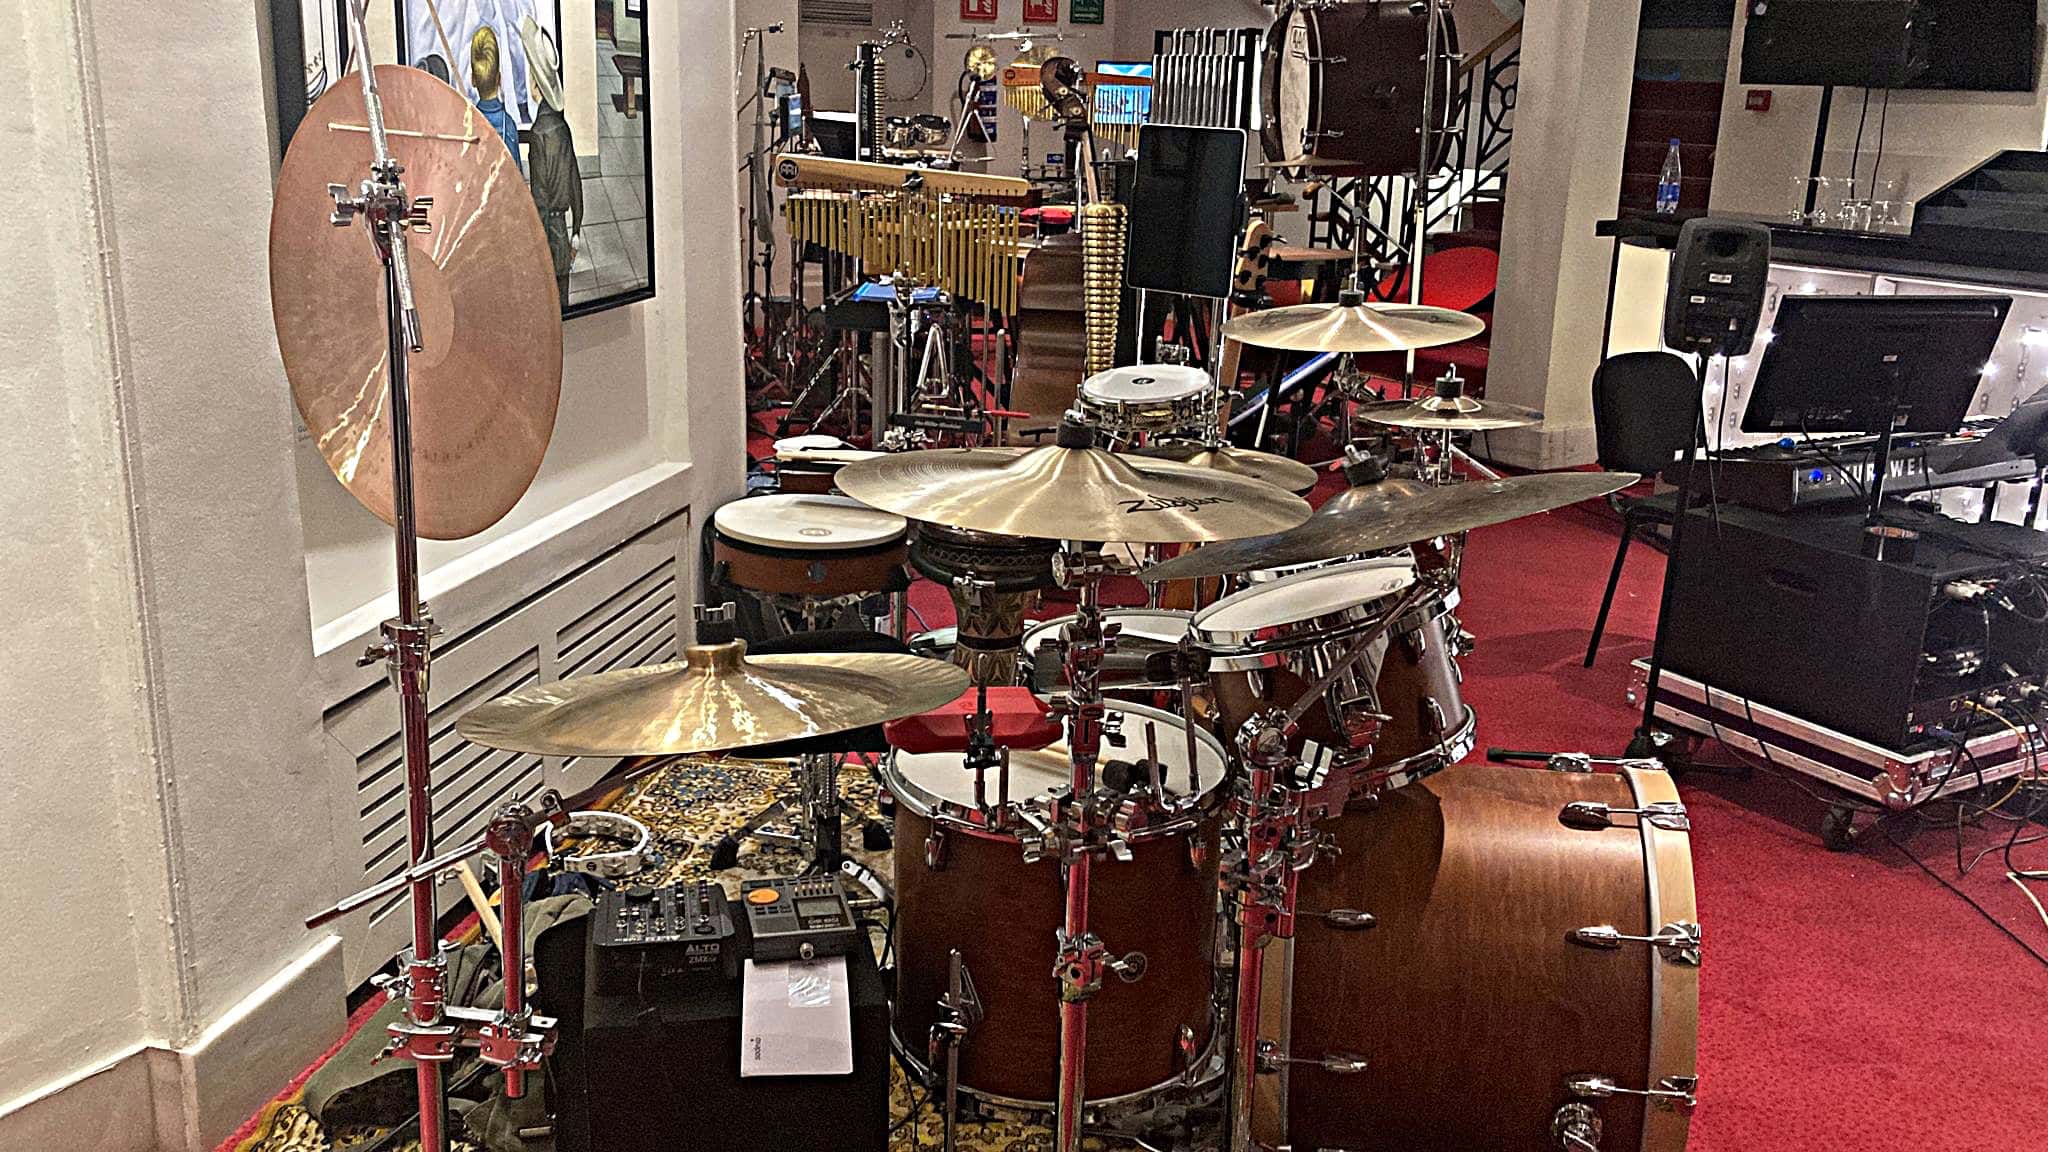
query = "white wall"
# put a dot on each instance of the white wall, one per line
(162, 736)
(1930, 137)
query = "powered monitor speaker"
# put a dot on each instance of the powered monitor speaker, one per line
(1716, 294)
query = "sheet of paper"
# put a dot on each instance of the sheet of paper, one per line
(796, 1019)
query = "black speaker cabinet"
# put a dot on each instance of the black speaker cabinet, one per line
(662, 1073)
(1859, 43)
(1718, 276)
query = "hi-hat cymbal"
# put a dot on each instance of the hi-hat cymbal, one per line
(484, 391)
(1376, 520)
(1353, 328)
(1061, 493)
(716, 700)
(1450, 414)
(1276, 470)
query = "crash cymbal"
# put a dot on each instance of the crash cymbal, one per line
(981, 62)
(1449, 414)
(716, 699)
(1278, 471)
(1353, 328)
(1070, 493)
(484, 391)
(1377, 519)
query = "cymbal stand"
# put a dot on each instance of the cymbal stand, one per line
(1272, 840)
(430, 1031)
(1439, 12)
(1080, 829)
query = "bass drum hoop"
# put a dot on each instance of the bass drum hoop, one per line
(1097, 1111)
(1674, 988)
(1276, 146)
(1186, 812)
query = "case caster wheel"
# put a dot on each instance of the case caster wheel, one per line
(1838, 828)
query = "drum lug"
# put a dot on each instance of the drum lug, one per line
(816, 572)
(1592, 816)
(935, 849)
(1576, 1128)
(1198, 853)
(1348, 919)
(1679, 940)
(1332, 60)
(1679, 1092)
(1184, 1044)
(1271, 1059)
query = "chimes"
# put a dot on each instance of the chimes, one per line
(968, 249)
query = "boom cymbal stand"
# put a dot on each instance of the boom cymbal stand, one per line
(430, 1030)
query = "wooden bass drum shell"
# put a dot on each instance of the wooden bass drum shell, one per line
(1466, 997)
(1001, 914)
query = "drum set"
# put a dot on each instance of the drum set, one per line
(1209, 877)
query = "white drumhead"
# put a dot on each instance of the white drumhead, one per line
(814, 442)
(1145, 384)
(1033, 773)
(1307, 595)
(803, 523)
(1296, 82)
(1161, 624)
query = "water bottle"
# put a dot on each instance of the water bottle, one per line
(1668, 181)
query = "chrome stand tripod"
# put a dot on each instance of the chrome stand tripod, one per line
(430, 1031)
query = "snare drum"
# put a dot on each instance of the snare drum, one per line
(1478, 994)
(1146, 399)
(1279, 637)
(961, 884)
(808, 546)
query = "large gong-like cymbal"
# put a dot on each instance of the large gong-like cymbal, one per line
(1353, 328)
(1450, 414)
(1373, 521)
(484, 390)
(1279, 471)
(1060, 493)
(717, 699)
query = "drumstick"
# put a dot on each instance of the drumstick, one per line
(482, 903)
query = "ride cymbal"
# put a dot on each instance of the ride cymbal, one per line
(717, 699)
(1374, 521)
(1353, 327)
(485, 389)
(1449, 414)
(1058, 493)
(1279, 471)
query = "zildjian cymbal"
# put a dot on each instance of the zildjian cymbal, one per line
(1070, 493)
(1353, 327)
(1449, 414)
(1279, 471)
(715, 700)
(1374, 521)
(484, 390)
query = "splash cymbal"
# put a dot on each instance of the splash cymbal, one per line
(1059, 493)
(1376, 519)
(1353, 327)
(1449, 414)
(485, 389)
(1279, 471)
(716, 699)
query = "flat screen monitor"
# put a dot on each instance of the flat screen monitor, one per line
(1187, 206)
(1834, 363)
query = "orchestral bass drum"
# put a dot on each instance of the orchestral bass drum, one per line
(1343, 86)
(963, 884)
(1502, 992)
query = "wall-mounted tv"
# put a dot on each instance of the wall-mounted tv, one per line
(1965, 45)
(1982, 46)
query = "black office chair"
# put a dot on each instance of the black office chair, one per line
(1645, 407)
(817, 800)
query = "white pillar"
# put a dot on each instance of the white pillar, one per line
(1571, 124)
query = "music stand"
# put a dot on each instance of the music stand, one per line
(1877, 365)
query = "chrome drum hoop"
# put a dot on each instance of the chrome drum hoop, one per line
(1458, 744)
(1302, 634)
(1123, 419)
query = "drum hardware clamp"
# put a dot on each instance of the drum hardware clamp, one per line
(1678, 1092)
(963, 1013)
(1271, 1059)
(1084, 959)
(1576, 1128)
(1679, 940)
(1592, 816)
(1348, 919)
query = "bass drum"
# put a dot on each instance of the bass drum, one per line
(1343, 86)
(965, 886)
(1477, 997)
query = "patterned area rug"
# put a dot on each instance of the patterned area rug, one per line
(687, 807)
